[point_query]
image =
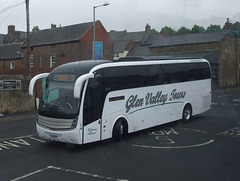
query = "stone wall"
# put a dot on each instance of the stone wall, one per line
(12, 101)
(228, 62)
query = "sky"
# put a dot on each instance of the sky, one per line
(119, 15)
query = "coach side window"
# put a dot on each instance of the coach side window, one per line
(92, 103)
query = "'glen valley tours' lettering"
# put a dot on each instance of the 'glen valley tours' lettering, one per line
(152, 99)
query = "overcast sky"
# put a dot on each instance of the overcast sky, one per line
(130, 15)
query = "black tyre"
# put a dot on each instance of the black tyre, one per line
(187, 113)
(117, 131)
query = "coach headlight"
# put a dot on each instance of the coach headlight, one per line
(74, 123)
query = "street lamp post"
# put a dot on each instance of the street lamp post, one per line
(94, 7)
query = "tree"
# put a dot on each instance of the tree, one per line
(167, 31)
(213, 28)
(236, 26)
(154, 31)
(197, 29)
(183, 30)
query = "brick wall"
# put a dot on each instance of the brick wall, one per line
(5, 64)
(186, 48)
(12, 101)
(228, 61)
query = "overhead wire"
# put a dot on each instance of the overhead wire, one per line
(12, 6)
(9, 9)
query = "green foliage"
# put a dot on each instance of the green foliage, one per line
(183, 30)
(154, 32)
(197, 29)
(169, 31)
(213, 28)
(236, 26)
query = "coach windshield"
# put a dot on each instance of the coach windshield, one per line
(57, 97)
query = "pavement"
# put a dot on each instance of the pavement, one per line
(16, 116)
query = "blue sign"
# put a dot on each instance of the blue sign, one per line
(98, 50)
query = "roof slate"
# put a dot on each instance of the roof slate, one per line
(59, 35)
(1, 38)
(10, 51)
(137, 37)
(117, 35)
(120, 46)
(212, 55)
(188, 39)
(139, 51)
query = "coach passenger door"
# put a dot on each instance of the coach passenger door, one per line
(92, 112)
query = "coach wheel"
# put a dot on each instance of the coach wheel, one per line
(187, 113)
(117, 131)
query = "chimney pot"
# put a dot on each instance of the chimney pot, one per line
(147, 27)
(11, 29)
(53, 26)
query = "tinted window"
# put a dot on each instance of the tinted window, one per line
(117, 78)
(185, 72)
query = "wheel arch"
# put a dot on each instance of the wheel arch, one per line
(187, 103)
(124, 121)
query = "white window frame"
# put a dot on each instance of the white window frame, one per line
(12, 65)
(52, 61)
(31, 61)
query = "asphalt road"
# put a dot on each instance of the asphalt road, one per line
(207, 148)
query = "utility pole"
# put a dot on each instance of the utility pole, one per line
(237, 56)
(28, 37)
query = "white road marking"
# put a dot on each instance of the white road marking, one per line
(29, 174)
(237, 100)
(19, 137)
(37, 139)
(196, 130)
(67, 170)
(174, 147)
(224, 95)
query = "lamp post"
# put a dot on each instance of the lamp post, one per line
(94, 7)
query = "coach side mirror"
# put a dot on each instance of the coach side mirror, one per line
(79, 83)
(37, 103)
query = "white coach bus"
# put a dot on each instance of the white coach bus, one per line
(88, 101)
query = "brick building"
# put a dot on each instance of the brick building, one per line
(219, 48)
(56, 46)
(124, 41)
(13, 36)
(10, 57)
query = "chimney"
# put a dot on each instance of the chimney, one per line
(11, 29)
(53, 26)
(147, 28)
(35, 28)
(228, 25)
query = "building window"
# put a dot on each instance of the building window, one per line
(53, 46)
(12, 65)
(31, 61)
(52, 61)
(116, 54)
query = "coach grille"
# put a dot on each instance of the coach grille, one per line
(55, 124)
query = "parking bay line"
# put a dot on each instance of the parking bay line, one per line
(19, 137)
(174, 147)
(66, 170)
(37, 139)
